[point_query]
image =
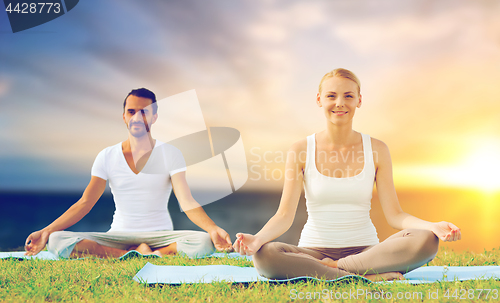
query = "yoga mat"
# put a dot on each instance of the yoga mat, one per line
(19, 255)
(430, 274)
(45, 255)
(175, 275)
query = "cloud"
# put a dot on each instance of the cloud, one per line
(4, 86)
(463, 26)
(255, 67)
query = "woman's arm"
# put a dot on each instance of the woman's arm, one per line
(395, 216)
(247, 244)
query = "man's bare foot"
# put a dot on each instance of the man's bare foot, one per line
(167, 250)
(386, 276)
(144, 249)
(158, 253)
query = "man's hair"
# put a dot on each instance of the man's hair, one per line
(144, 93)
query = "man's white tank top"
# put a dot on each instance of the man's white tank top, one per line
(338, 208)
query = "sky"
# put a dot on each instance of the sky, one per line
(429, 75)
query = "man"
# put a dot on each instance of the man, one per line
(141, 220)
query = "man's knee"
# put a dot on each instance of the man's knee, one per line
(206, 244)
(196, 245)
(61, 243)
(58, 236)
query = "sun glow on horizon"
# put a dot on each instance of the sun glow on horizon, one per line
(479, 170)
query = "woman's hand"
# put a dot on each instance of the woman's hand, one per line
(221, 239)
(446, 231)
(246, 244)
(36, 242)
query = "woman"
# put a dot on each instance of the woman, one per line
(338, 173)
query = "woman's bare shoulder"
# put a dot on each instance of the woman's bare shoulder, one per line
(299, 146)
(298, 152)
(380, 151)
(379, 145)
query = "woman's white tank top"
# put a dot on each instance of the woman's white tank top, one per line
(338, 209)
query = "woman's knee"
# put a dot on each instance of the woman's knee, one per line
(430, 243)
(266, 260)
(266, 254)
(424, 240)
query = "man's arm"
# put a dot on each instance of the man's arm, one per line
(197, 215)
(37, 240)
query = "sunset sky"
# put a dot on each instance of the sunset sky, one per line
(429, 74)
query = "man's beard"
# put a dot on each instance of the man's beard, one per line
(142, 132)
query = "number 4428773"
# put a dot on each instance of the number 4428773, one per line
(34, 8)
(477, 293)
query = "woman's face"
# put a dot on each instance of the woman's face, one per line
(339, 99)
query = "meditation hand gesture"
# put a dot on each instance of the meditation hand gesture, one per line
(36, 242)
(246, 244)
(446, 231)
(221, 239)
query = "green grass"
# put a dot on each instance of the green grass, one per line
(110, 280)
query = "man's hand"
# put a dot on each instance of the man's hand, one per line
(36, 242)
(446, 231)
(221, 239)
(246, 244)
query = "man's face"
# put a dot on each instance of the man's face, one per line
(138, 115)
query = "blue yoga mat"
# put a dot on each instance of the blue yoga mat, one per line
(161, 274)
(45, 255)
(19, 255)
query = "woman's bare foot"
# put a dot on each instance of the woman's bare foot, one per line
(328, 262)
(386, 276)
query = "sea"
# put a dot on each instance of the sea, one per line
(475, 212)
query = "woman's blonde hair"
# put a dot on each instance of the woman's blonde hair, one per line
(342, 73)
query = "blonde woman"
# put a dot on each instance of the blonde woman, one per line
(338, 173)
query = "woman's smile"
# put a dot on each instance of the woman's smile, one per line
(339, 113)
